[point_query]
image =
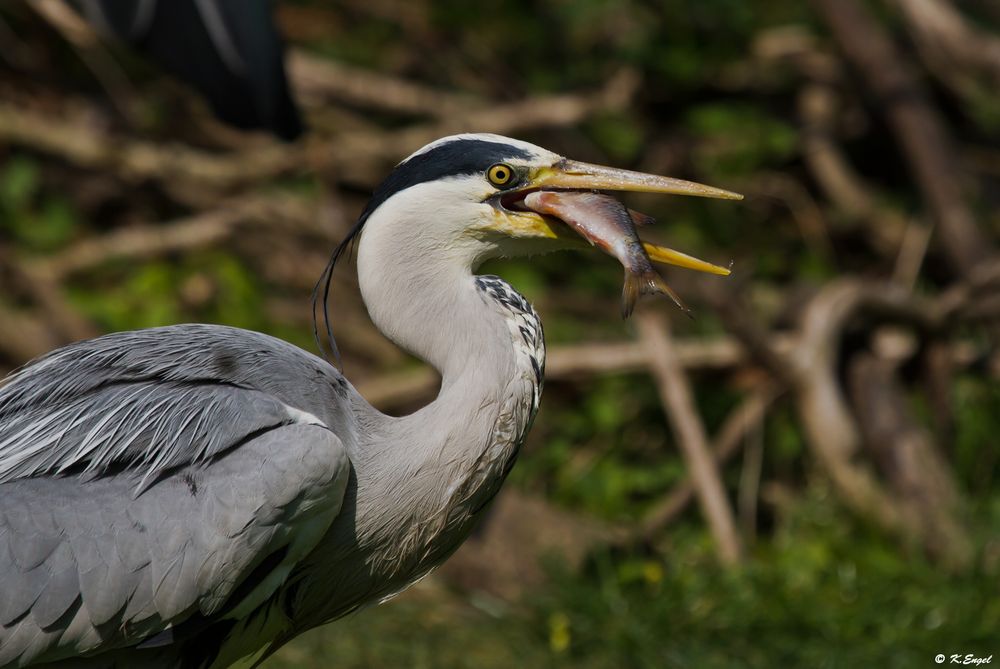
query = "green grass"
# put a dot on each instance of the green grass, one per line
(822, 591)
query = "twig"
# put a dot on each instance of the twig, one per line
(140, 242)
(363, 155)
(811, 369)
(570, 361)
(800, 203)
(690, 433)
(841, 184)
(200, 230)
(918, 473)
(343, 152)
(818, 109)
(62, 318)
(738, 424)
(760, 344)
(413, 16)
(749, 486)
(830, 428)
(917, 126)
(950, 44)
(320, 78)
(938, 367)
(135, 160)
(912, 250)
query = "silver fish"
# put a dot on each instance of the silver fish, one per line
(608, 224)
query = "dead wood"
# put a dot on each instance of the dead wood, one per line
(740, 422)
(950, 45)
(921, 133)
(675, 393)
(918, 474)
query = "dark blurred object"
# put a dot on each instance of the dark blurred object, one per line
(229, 50)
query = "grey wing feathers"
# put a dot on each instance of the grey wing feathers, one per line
(105, 570)
(149, 400)
(144, 475)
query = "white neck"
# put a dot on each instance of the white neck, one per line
(442, 464)
(447, 459)
(420, 292)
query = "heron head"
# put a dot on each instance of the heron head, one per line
(465, 195)
(464, 199)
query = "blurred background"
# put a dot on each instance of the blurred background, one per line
(804, 475)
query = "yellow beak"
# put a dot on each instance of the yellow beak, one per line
(574, 175)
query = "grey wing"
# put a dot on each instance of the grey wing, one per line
(86, 567)
(141, 486)
(154, 400)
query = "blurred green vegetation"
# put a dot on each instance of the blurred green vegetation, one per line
(37, 221)
(821, 588)
(823, 591)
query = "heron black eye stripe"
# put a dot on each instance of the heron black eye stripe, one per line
(458, 157)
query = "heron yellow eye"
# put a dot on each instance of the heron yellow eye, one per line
(500, 174)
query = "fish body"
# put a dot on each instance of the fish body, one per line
(607, 224)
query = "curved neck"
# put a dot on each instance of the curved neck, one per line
(426, 301)
(441, 465)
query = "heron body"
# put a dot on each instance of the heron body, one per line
(228, 50)
(197, 495)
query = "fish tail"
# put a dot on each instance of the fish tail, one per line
(631, 290)
(647, 283)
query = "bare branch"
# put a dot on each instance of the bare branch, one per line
(364, 155)
(690, 433)
(826, 417)
(918, 128)
(803, 208)
(319, 78)
(918, 473)
(567, 362)
(819, 109)
(79, 143)
(759, 344)
(727, 443)
(59, 315)
(951, 45)
(140, 242)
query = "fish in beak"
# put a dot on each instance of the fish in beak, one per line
(607, 224)
(572, 192)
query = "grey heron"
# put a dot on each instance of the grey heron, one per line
(229, 50)
(197, 495)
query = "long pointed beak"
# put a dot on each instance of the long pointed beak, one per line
(575, 175)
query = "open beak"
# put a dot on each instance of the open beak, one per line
(571, 175)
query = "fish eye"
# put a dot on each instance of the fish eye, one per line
(500, 174)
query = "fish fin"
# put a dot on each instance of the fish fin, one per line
(648, 283)
(640, 219)
(658, 285)
(631, 290)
